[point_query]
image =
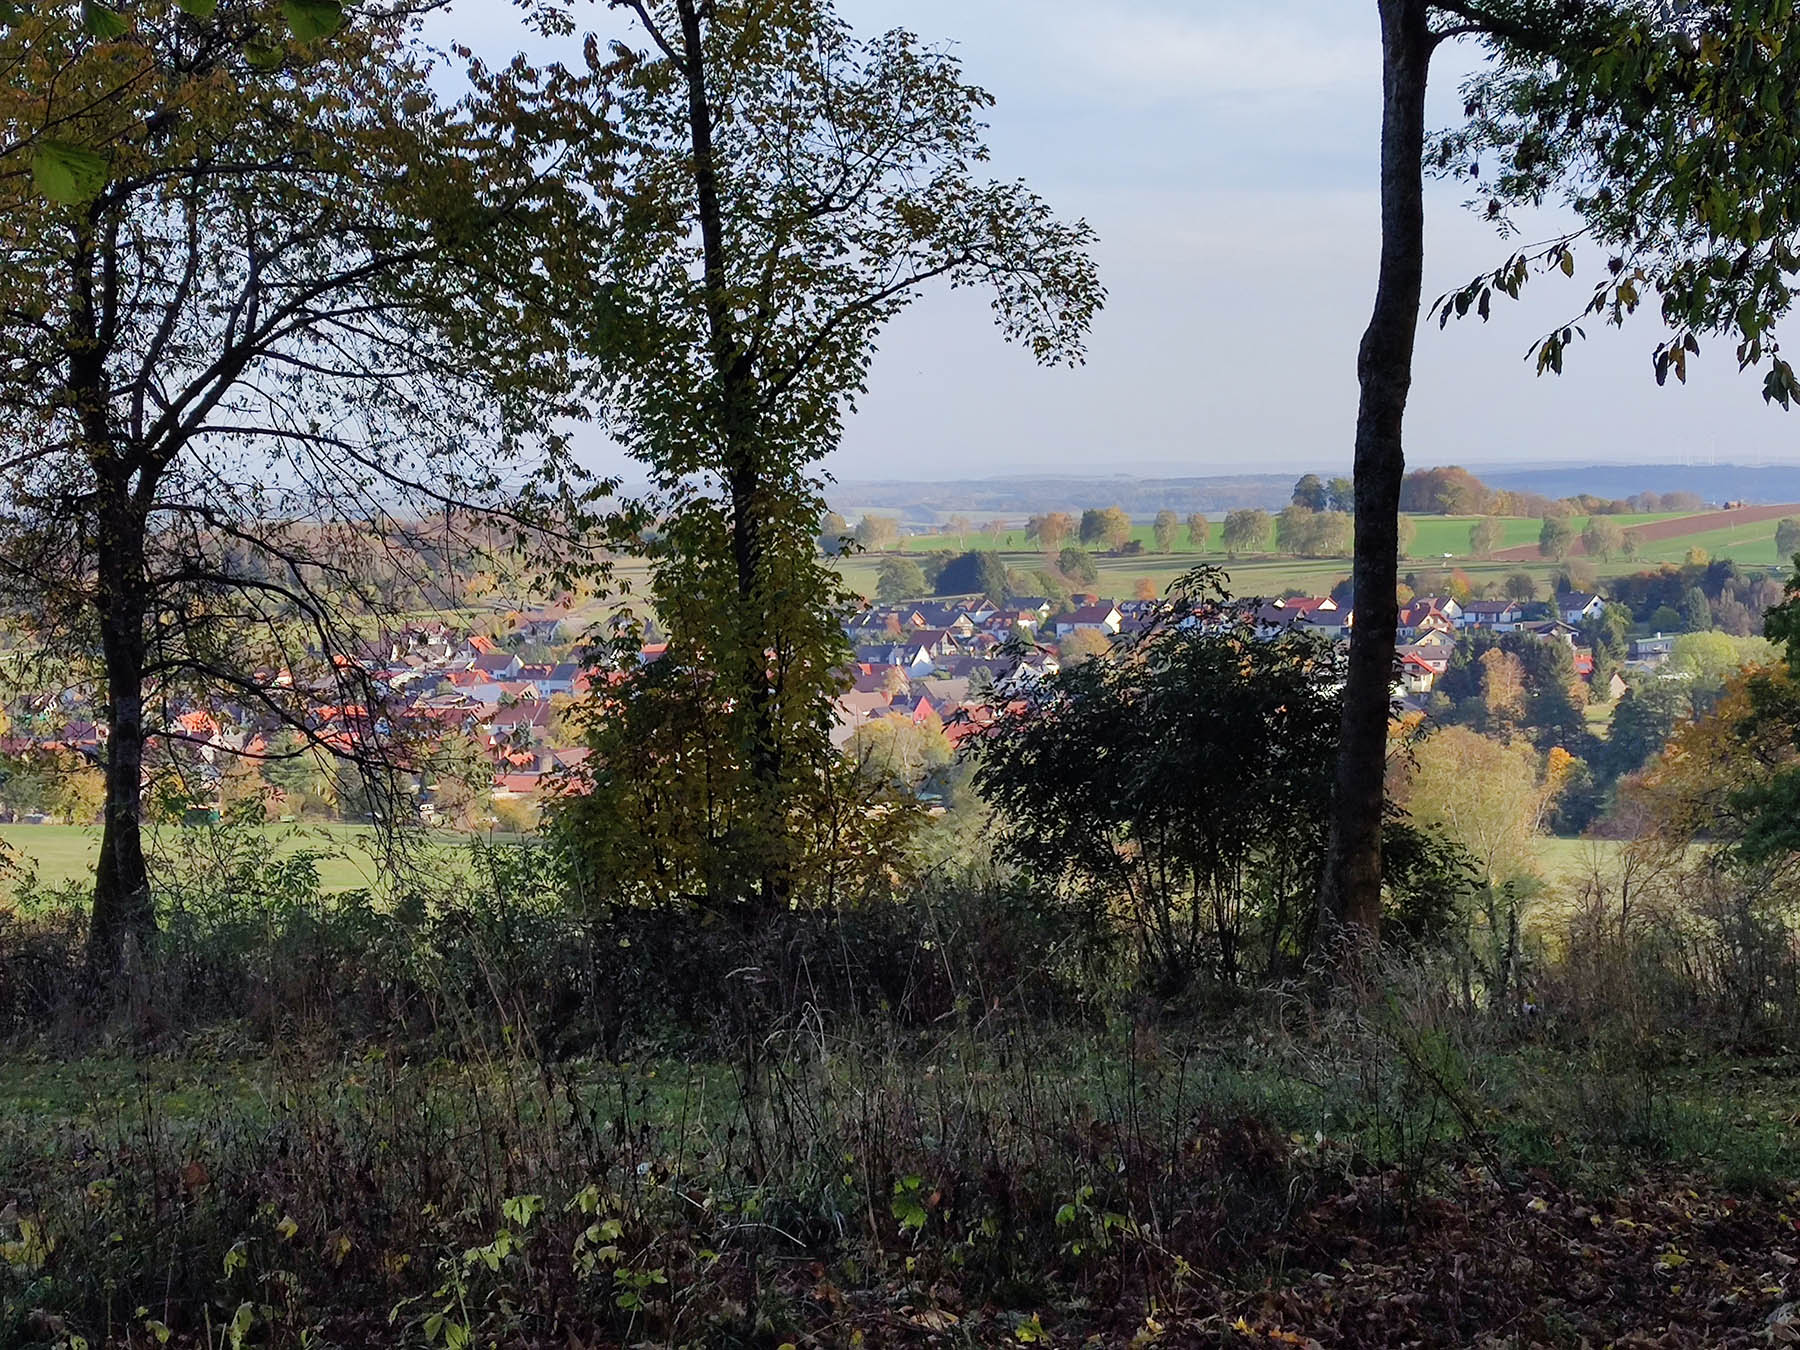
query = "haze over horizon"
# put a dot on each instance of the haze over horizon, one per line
(1228, 161)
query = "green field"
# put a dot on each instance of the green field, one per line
(1746, 545)
(1436, 535)
(1272, 574)
(62, 853)
(1264, 575)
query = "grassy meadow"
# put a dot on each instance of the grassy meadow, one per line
(1270, 574)
(349, 857)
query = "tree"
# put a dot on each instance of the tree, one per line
(1493, 800)
(1076, 565)
(1664, 129)
(1602, 538)
(1446, 491)
(1144, 589)
(1502, 689)
(1486, 536)
(900, 751)
(1521, 586)
(1406, 530)
(960, 525)
(1556, 538)
(1108, 527)
(1631, 544)
(1489, 797)
(833, 531)
(1294, 529)
(1247, 531)
(1312, 534)
(1529, 39)
(1606, 665)
(1051, 531)
(1311, 493)
(281, 312)
(1199, 530)
(1186, 784)
(1787, 538)
(1341, 495)
(899, 578)
(1696, 610)
(876, 533)
(977, 573)
(1641, 723)
(1082, 645)
(778, 190)
(1167, 523)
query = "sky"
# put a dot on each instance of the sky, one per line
(1226, 153)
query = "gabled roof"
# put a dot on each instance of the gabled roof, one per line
(1104, 612)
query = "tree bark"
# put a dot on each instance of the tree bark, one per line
(1350, 898)
(124, 917)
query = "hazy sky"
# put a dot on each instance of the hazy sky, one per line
(1225, 150)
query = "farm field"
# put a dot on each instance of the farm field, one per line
(1436, 535)
(1751, 544)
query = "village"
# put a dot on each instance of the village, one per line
(939, 660)
(505, 694)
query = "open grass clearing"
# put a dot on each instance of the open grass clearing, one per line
(350, 857)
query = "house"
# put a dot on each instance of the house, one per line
(1099, 618)
(1433, 657)
(559, 679)
(1579, 607)
(1552, 630)
(1417, 675)
(1427, 616)
(543, 626)
(497, 665)
(1498, 616)
(1317, 614)
(952, 618)
(1445, 605)
(1653, 650)
(1037, 606)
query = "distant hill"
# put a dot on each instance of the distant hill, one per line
(927, 503)
(923, 503)
(1767, 484)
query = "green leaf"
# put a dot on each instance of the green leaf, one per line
(102, 22)
(311, 19)
(199, 9)
(9, 12)
(67, 173)
(264, 55)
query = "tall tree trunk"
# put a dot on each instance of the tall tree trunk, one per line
(124, 918)
(1351, 894)
(745, 474)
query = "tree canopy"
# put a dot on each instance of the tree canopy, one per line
(268, 309)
